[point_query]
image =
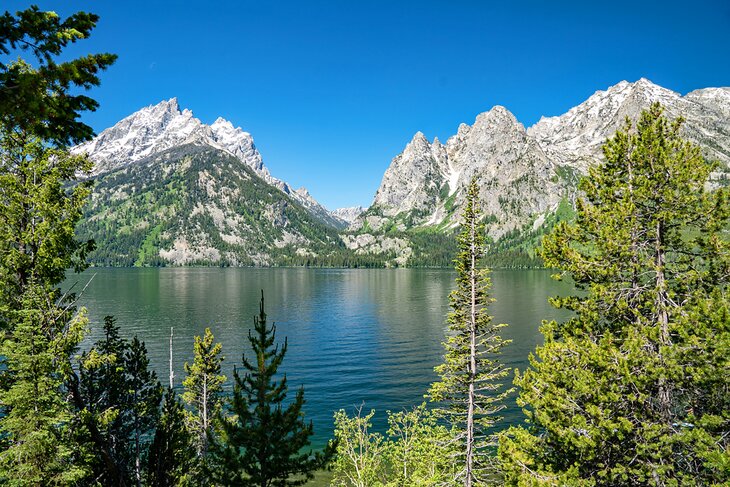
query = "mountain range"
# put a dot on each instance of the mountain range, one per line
(524, 174)
(173, 190)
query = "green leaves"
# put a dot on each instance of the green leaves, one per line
(416, 450)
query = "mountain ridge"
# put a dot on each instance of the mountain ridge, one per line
(524, 174)
(230, 211)
(155, 128)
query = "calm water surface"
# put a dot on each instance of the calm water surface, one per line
(355, 336)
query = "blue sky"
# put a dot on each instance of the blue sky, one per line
(332, 91)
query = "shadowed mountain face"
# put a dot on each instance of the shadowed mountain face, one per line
(524, 174)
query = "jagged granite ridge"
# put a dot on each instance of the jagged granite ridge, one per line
(524, 175)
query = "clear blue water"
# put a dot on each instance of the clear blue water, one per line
(356, 336)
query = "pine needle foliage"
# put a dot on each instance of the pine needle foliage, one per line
(263, 442)
(37, 427)
(470, 392)
(632, 390)
(203, 389)
(204, 396)
(171, 453)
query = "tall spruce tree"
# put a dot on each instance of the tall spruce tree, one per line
(37, 219)
(633, 389)
(38, 213)
(262, 443)
(470, 377)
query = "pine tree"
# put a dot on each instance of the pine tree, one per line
(39, 215)
(632, 390)
(104, 389)
(469, 388)
(171, 452)
(203, 390)
(144, 395)
(39, 211)
(262, 442)
(37, 424)
(38, 100)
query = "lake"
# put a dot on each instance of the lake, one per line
(356, 336)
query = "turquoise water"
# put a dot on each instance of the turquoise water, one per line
(356, 336)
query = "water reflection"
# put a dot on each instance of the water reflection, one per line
(355, 336)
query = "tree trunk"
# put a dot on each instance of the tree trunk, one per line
(172, 373)
(204, 433)
(137, 462)
(472, 359)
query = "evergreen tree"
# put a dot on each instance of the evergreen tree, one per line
(144, 395)
(119, 398)
(104, 389)
(171, 452)
(262, 442)
(38, 214)
(632, 390)
(37, 426)
(203, 389)
(470, 375)
(37, 100)
(38, 210)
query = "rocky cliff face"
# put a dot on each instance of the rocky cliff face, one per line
(524, 175)
(424, 186)
(348, 214)
(575, 138)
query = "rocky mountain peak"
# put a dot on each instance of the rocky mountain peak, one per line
(304, 192)
(152, 129)
(498, 115)
(418, 146)
(157, 128)
(575, 138)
